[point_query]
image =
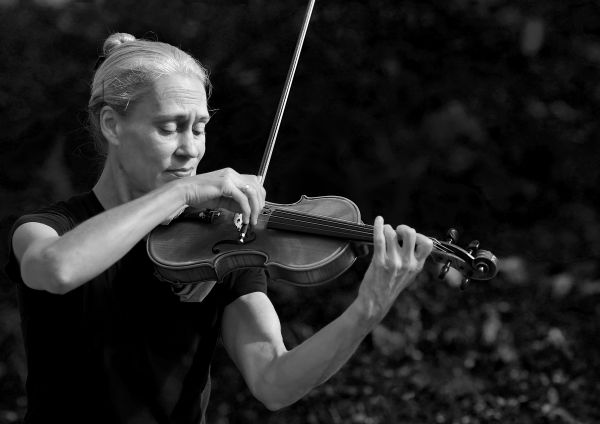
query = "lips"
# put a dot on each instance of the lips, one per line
(181, 172)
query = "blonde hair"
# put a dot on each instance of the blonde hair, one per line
(130, 67)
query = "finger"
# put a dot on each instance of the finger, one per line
(230, 190)
(378, 240)
(263, 195)
(257, 194)
(424, 246)
(260, 190)
(254, 202)
(392, 246)
(408, 236)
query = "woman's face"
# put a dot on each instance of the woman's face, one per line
(162, 137)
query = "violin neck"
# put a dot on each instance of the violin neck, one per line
(300, 222)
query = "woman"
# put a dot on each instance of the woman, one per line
(108, 342)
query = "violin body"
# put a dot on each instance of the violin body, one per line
(203, 246)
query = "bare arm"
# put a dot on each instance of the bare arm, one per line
(278, 377)
(60, 264)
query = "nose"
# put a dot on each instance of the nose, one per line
(190, 146)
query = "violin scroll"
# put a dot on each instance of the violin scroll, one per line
(473, 263)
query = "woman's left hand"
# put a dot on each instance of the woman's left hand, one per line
(399, 255)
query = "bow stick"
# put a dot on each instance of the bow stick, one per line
(284, 96)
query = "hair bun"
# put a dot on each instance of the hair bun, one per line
(115, 40)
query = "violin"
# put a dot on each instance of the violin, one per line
(306, 243)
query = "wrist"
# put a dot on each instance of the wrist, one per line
(364, 312)
(178, 192)
(168, 201)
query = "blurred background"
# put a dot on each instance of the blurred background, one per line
(475, 114)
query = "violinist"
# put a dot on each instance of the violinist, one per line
(106, 341)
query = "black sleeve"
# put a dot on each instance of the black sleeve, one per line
(56, 217)
(242, 282)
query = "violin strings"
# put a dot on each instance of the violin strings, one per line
(345, 229)
(323, 218)
(318, 228)
(320, 223)
(361, 229)
(328, 222)
(292, 223)
(283, 216)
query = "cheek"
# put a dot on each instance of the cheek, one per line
(153, 152)
(160, 153)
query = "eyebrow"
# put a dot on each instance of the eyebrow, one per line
(181, 117)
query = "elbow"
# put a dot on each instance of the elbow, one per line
(58, 286)
(273, 407)
(274, 402)
(271, 403)
(47, 273)
(51, 282)
(273, 396)
(59, 279)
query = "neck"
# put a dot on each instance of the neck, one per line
(112, 188)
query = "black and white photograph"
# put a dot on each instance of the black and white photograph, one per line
(300, 212)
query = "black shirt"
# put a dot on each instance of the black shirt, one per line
(121, 348)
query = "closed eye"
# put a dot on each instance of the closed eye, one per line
(168, 128)
(199, 130)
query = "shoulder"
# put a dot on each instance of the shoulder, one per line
(64, 215)
(47, 222)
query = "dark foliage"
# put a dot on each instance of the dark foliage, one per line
(479, 114)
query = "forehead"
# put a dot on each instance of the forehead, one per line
(176, 94)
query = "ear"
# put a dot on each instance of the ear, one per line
(109, 125)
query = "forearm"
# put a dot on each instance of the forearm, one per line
(93, 246)
(293, 374)
(278, 377)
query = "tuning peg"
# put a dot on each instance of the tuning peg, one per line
(473, 246)
(465, 282)
(452, 234)
(444, 270)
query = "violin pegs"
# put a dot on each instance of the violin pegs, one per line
(465, 282)
(452, 234)
(444, 270)
(473, 246)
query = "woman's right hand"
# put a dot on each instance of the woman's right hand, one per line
(226, 188)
